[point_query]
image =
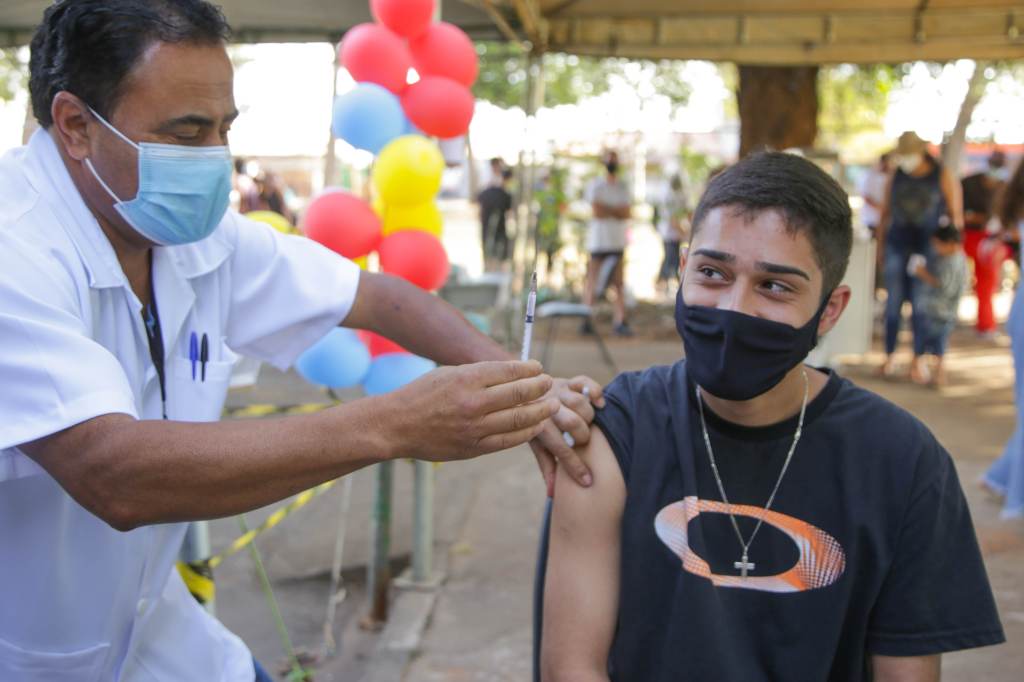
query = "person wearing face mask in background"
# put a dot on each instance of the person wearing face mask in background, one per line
(754, 518)
(921, 196)
(611, 203)
(980, 191)
(126, 289)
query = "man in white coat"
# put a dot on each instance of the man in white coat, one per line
(116, 250)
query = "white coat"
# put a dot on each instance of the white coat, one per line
(79, 600)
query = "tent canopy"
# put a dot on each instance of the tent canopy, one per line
(744, 31)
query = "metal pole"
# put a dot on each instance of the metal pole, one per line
(379, 570)
(423, 524)
(331, 161)
(196, 547)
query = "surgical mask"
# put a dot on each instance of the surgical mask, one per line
(734, 356)
(183, 194)
(908, 163)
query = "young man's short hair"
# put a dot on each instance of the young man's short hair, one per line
(807, 197)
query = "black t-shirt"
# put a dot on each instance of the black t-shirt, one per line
(868, 548)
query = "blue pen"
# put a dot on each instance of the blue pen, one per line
(193, 353)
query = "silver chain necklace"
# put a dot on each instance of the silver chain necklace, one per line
(743, 565)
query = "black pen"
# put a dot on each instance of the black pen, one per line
(204, 355)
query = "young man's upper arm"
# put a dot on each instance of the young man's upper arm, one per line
(906, 669)
(582, 588)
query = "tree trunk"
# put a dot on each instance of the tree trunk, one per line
(778, 107)
(953, 151)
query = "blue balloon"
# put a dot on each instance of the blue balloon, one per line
(394, 370)
(368, 117)
(339, 360)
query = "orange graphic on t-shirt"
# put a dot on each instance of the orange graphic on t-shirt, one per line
(821, 561)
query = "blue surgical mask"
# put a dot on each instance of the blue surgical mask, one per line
(183, 191)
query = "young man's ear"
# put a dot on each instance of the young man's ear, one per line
(837, 303)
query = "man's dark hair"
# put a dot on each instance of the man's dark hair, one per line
(809, 200)
(89, 47)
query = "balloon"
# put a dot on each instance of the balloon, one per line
(394, 370)
(415, 256)
(423, 217)
(343, 223)
(408, 171)
(379, 345)
(368, 117)
(439, 106)
(272, 218)
(338, 360)
(361, 261)
(373, 54)
(407, 18)
(445, 50)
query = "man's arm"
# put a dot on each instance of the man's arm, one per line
(428, 326)
(581, 595)
(132, 472)
(953, 194)
(906, 669)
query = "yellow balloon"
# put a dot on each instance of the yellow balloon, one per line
(275, 220)
(361, 262)
(424, 217)
(408, 171)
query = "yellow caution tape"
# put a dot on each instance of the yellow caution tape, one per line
(198, 579)
(301, 500)
(266, 410)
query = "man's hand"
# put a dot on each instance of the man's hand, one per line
(577, 398)
(456, 413)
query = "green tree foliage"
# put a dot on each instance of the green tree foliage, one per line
(853, 100)
(13, 74)
(571, 78)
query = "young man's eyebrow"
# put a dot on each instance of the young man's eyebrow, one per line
(716, 255)
(776, 269)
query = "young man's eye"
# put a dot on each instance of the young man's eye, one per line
(709, 272)
(778, 287)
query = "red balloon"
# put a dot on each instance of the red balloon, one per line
(378, 344)
(415, 256)
(373, 54)
(343, 223)
(439, 106)
(407, 18)
(445, 50)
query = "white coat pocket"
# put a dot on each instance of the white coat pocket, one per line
(38, 666)
(198, 400)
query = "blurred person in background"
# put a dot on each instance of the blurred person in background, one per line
(1005, 477)
(980, 191)
(611, 203)
(495, 203)
(673, 228)
(946, 280)
(872, 190)
(920, 198)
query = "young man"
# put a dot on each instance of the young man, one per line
(753, 518)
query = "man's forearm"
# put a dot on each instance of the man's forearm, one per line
(421, 323)
(132, 473)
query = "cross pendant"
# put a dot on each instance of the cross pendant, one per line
(743, 566)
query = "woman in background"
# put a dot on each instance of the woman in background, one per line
(1006, 476)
